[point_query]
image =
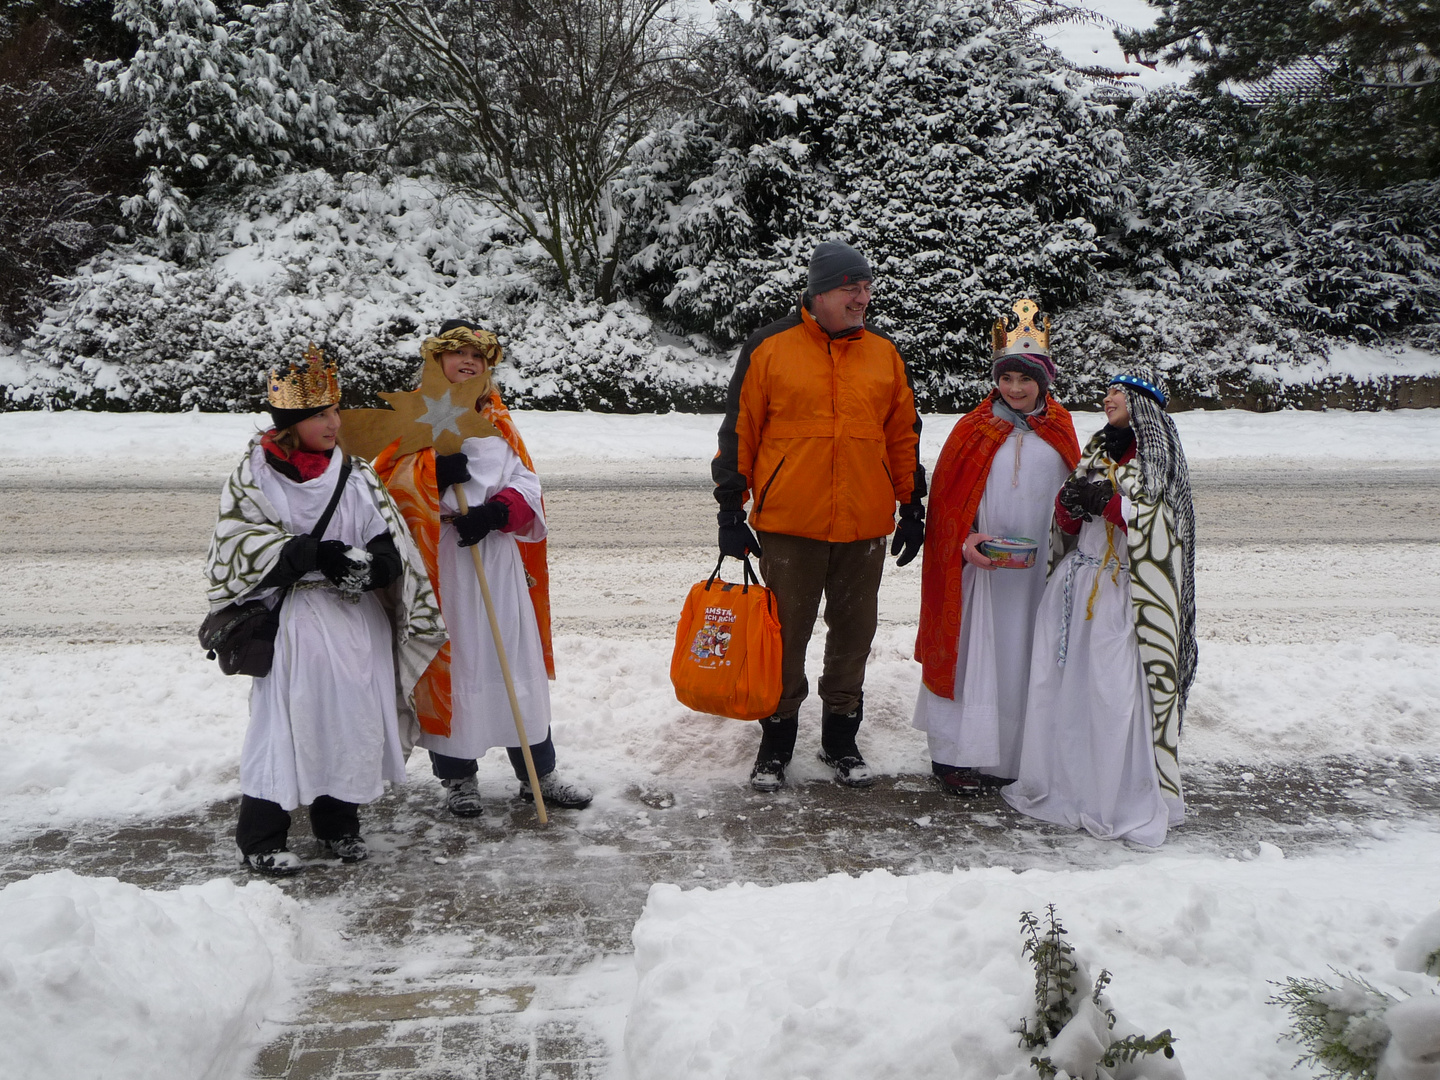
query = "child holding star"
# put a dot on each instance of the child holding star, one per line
(461, 701)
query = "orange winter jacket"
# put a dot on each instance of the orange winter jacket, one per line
(820, 433)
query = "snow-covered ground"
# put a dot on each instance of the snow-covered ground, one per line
(99, 979)
(922, 976)
(141, 729)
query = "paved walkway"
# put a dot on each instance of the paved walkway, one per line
(518, 923)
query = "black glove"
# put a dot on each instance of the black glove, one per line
(481, 521)
(451, 469)
(334, 561)
(909, 533)
(1086, 499)
(736, 539)
(297, 558)
(385, 562)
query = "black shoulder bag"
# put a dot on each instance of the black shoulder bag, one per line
(242, 636)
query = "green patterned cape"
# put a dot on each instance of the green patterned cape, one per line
(247, 543)
(1157, 569)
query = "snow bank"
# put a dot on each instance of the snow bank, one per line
(923, 977)
(106, 731)
(1406, 435)
(1371, 695)
(162, 984)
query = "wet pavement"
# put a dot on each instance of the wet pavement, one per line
(491, 948)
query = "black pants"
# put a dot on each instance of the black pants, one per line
(457, 768)
(264, 826)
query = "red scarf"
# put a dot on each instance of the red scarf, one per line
(308, 463)
(956, 488)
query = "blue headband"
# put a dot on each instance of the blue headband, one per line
(1140, 384)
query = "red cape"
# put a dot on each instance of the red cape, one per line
(955, 491)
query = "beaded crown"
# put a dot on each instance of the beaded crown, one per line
(1028, 336)
(317, 386)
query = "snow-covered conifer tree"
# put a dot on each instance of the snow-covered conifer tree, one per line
(231, 93)
(966, 160)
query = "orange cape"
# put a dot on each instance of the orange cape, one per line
(411, 480)
(955, 491)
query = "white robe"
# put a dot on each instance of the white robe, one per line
(1088, 759)
(323, 721)
(981, 727)
(481, 716)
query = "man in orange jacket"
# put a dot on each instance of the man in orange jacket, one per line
(822, 436)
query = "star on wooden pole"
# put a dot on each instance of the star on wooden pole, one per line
(439, 414)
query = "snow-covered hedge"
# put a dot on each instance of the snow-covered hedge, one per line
(364, 268)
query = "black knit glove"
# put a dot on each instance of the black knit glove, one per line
(340, 568)
(451, 469)
(1086, 499)
(481, 521)
(385, 562)
(736, 539)
(909, 533)
(297, 558)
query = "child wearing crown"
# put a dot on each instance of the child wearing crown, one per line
(997, 476)
(462, 704)
(319, 537)
(1115, 649)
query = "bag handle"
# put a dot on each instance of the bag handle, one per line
(324, 523)
(750, 577)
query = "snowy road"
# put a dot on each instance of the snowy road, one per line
(1286, 555)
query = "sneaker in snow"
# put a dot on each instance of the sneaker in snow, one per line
(278, 863)
(347, 848)
(559, 793)
(463, 796)
(768, 774)
(850, 769)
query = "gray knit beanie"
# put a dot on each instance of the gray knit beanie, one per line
(835, 264)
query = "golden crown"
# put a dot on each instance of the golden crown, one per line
(316, 387)
(1026, 337)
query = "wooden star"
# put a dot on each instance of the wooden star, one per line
(439, 414)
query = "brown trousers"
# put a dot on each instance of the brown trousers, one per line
(799, 571)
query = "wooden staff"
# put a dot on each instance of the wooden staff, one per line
(504, 666)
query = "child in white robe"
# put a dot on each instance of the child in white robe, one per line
(1012, 454)
(465, 708)
(1115, 653)
(323, 730)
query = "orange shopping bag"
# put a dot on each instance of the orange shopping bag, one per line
(727, 648)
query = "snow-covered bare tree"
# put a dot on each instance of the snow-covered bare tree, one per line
(968, 162)
(534, 104)
(231, 93)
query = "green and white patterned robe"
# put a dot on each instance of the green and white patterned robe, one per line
(1102, 719)
(246, 545)
(1157, 569)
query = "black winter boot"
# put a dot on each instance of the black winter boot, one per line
(838, 749)
(777, 746)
